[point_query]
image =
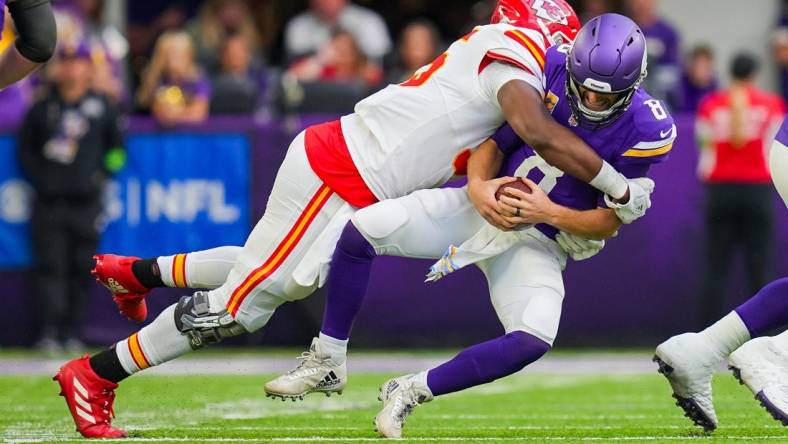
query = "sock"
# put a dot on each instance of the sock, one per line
(147, 272)
(159, 342)
(767, 310)
(336, 348)
(727, 334)
(486, 362)
(350, 269)
(420, 379)
(107, 365)
(199, 269)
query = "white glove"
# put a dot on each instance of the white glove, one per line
(640, 190)
(579, 248)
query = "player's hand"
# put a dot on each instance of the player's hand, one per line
(640, 190)
(482, 195)
(578, 248)
(535, 208)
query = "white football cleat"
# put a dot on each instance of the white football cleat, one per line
(400, 396)
(762, 365)
(688, 362)
(316, 373)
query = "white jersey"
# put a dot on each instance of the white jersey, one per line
(407, 136)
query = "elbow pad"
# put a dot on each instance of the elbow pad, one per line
(35, 25)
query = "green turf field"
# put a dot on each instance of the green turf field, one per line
(521, 408)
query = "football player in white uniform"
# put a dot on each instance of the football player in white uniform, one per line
(406, 137)
(688, 360)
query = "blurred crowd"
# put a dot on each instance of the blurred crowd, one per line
(182, 61)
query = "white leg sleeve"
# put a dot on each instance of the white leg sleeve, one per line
(420, 225)
(300, 208)
(159, 342)
(527, 288)
(778, 163)
(199, 269)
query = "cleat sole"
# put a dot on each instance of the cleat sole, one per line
(689, 406)
(775, 412)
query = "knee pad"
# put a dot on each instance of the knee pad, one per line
(194, 318)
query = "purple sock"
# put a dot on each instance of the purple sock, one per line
(486, 362)
(347, 284)
(767, 310)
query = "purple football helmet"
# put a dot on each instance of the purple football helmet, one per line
(608, 56)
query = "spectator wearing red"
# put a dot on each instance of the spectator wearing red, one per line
(735, 127)
(341, 60)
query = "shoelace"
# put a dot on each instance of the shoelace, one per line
(304, 358)
(105, 399)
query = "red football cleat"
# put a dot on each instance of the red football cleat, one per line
(89, 399)
(114, 272)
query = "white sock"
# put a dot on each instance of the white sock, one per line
(199, 269)
(336, 348)
(420, 380)
(159, 342)
(727, 334)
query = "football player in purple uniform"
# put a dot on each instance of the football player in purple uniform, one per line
(35, 42)
(761, 363)
(592, 88)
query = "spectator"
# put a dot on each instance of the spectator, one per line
(734, 127)
(310, 31)
(238, 85)
(593, 8)
(418, 46)
(174, 87)
(68, 143)
(108, 49)
(217, 20)
(663, 50)
(780, 51)
(698, 78)
(341, 60)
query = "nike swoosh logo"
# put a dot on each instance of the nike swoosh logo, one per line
(664, 134)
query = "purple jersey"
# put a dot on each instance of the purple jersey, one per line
(642, 136)
(782, 134)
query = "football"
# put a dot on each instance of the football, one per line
(517, 184)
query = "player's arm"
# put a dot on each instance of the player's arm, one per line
(537, 208)
(35, 44)
(524, 109)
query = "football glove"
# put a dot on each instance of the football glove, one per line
(579, 248)
(640, 190)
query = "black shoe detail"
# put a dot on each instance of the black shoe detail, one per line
(691, 408)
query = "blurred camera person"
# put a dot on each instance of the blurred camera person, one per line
(68, 144)
(734, 128)
(174, 87)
